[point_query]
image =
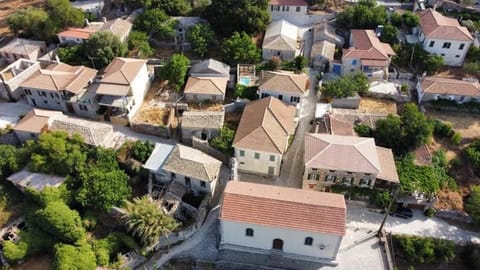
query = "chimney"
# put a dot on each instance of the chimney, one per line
(104, 19)
(87, 22)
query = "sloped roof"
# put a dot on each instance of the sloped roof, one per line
(203, 119)
(35, 120)
(158, 156)
(119, 75)
(23, 46)
(435, 25)
(281, 35)
(209, 67)
(193, 163)
(324, 31)
(265, 126)
(284, 82)
(80, 33)
(324, 48)
(118, 27)
(206, 85)
(343, 153)
(367, 46)
(388, 170)
(93, 132)
(446, 86)
(281, 207)
(36, 181)
(288, 2)
(58, 77)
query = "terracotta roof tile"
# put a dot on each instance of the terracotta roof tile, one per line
(388, 170)
(265, 126)
(288, 2)
(435, 25)
(206, 85)
(446, 86)
(367, 46)
(284, 82)
(282, 207)
(81, 33)
(35, 120)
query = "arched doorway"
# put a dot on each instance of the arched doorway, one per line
(277, 244)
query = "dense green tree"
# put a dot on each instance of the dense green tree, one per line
(103, 189)
(363, 130)
(12, 160)
(145, 220)
(60, 221)
(424, 250)
(229, 16)
(364, 15)
(472, 152)
(417, 129)
(201, 37)
(170, 7)
(74, 257)
(50, 194)
(155, 22)
(413, 55)
(175, 70)
(389, 133)
(141, 150)
(102, 47)
(433, 63)
(33, 22)
(64, 14)
(72, 54)
(224, 140)
(389, 34)
(138, 41)
(396, 19)
(410, 19)
(32, 241)
(103, 159)
(300, 62)
(346, 86)
(56, 153)
(239, 48)
(106, 249)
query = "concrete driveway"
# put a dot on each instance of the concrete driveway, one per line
(361, 218)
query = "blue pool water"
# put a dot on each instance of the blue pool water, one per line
(244, 81)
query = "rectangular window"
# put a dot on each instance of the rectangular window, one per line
(283, 8)
(298, 9)
(354, 62)
(271, 170)
(203, 184)
(28, 92)
(83, 107)
(173, 175)
(242, 153)
(272, 158)
(457, 56)
(461, 46)
(257, 155)
(347, 180)
(287, 8)
(44, 101)
(294, 99)
(442, 54)
(431, 44)
(51, 95)
(330, 178)
(446, 45)
(364, 181)
(313, 177)
(271, 8)
(187, 182)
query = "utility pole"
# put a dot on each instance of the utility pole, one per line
(387, 211)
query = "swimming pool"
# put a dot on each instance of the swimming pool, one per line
(244, 81)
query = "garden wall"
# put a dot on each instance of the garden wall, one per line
(397, 98)
(156, 130)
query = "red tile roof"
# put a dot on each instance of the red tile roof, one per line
(367, 46)
(76, 33)
(435, 25)
(281, 207)
(447, 86)
(288, 2)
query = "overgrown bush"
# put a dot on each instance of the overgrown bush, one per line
(31, 242)
(442, 129)
(223, 142)
(381, 199)
(430, 212)
(141, 150)
(106, 249)
(472, 206)
(15, 252)
(423, 250)
(248, 92)
(74, 257)
(363, 130)
(472, 153)
(89, 220)
(456, 139)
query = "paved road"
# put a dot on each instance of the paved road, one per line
(359, 217)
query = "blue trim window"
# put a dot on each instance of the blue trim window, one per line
(354, 62)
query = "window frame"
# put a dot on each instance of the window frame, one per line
(308, 241)
(249, 232)
(446, 45)
(256, 155)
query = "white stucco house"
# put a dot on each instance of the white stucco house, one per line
(286, 86)
(62, 87)
(281, 40)
(288, 223)
(262, 136)
(366, 54)
(14, 75)
(122, 87)
(460, 91)
(294, 11)
(200, 89)
(444, 36)
(189, 167)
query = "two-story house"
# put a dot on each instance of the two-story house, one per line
(14, 75)
(281, 40)
(122, 87)
(288, 223)
(263, 135)
(23, 48)
(460, 91)
(189, 167)
(208, 81)
(347, 160)
(444, 36)
(294, 11)
(62, 87)
(366, 54)
(286, 86)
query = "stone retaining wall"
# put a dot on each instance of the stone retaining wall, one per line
(156, 130)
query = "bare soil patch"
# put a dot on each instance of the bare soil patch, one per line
(38, 262)
(467, 124)
(376, 106)
(206, 106)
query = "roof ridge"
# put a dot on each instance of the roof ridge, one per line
(271, 139)
(276, 118)
(361, 153)
(324, 149)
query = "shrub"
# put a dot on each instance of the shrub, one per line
(417, 249)
(363, 130)
(430, 212)
(31, 242)
(243, 91)
(381, 199)
(472, 206)
(472, 152)
(141, 150)
(456, 139)
(107, 248)
(89, 220)
(223, 142)
(15, 252)
(72, 257)
(442, 129)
